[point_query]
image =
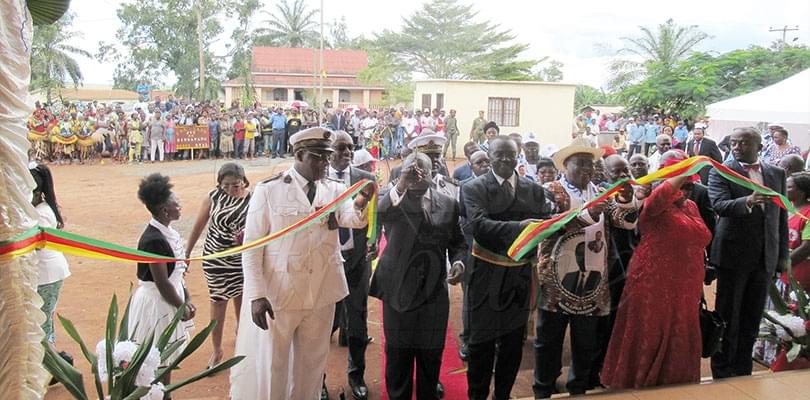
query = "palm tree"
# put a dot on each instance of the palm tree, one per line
(659, 49)
(291, 25)
(51, 57)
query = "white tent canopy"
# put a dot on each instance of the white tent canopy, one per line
(786, 102)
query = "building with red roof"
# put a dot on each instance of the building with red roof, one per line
(281, 75)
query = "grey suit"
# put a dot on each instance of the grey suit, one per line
(746, 249)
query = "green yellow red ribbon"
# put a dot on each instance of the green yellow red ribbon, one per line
(535, 232)
(83, 246)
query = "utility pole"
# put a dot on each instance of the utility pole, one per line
(320, 70)
(198, 11)
(784, 31)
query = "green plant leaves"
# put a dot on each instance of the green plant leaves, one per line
(90, 357)
(63, 372)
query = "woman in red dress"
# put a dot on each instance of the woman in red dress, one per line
(656, 339)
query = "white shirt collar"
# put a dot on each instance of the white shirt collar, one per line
(512, 179)
(302, 182)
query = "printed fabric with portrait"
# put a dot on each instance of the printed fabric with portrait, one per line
(572, 263)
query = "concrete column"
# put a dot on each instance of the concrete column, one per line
(260, 95)
(335, 98)
(366, 97)
(228, 96)
(290, 94)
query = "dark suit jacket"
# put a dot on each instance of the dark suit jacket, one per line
(357, 256)
(338, 122)
(709, 149)
(700, 195)
(463, 172)
(498, 297)
(569, 282)
(412, 270)
(743, 239)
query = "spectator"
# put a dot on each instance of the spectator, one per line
(681, 135)
(239, 137)
(278, 121)
(451, 133)
(651, 130)
(703, 146)
(226, 132)
(465, 170)
(792, 163)
(798, 192)
(635, 133)
(779, 147)
(157, 135)
(491, 130)
(662, 144)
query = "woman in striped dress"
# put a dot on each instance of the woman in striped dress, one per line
(224, 210)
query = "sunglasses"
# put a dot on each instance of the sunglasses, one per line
(318, 156)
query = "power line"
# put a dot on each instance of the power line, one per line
(784, 31)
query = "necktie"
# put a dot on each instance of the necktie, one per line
(696, 149)
(344, 233)
(581, 285)
(507, 192)
(311, 191)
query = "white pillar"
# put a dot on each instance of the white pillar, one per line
(366, 97)
(290, 94)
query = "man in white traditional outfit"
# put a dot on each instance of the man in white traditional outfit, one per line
(295, 280)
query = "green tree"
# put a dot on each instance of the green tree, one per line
(444, 40)
(382, 70)
(659, 49)
(585, 95)
(292, 25)
(701, 79)
(52, 62)
(161, 37)
(551, 72)
(241, 50)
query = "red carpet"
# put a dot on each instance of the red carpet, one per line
(453, 372)
(453, 375)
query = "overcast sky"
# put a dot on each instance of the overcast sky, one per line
(582, 34)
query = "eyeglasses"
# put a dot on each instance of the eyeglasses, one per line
(343, 147)
(319, 156)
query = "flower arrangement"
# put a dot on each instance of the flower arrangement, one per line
(131, 370)
(788, 323)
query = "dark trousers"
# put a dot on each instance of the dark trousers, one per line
(465, 319)
(279, 144)
(482, 359)
(548, 346)
(740, 301)
(239, 148)
(649, 148)
(634, 148)
(399, 372)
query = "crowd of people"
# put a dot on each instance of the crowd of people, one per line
(604, 278)
(67, 132)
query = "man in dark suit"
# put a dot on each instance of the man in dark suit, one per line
(464, 171)
(351, 312)
(498, 206)
(750, 244)
(423, 231)
(703, 146)
(338, 121)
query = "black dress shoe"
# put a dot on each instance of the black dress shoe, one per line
(464, 352)
(439, 390)
(369, 340)
(359, 388)
(324, 392)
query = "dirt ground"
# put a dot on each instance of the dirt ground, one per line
(100, 201)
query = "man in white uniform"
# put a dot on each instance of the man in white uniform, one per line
(295, 280)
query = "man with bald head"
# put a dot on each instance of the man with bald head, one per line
(791, 163)
(662, 144)
(750, 244)
(499, 205)
(639, 165)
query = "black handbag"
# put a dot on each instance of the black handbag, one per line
(712, 329)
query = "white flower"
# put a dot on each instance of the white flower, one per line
(792, 322)
(148, 369)
(101, 354)
(155, 392)
(124, 351)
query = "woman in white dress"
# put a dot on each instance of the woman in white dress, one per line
(53, 267)
(161, 288)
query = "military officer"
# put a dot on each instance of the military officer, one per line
(295, 280)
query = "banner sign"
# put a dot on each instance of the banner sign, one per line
(192, 137)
